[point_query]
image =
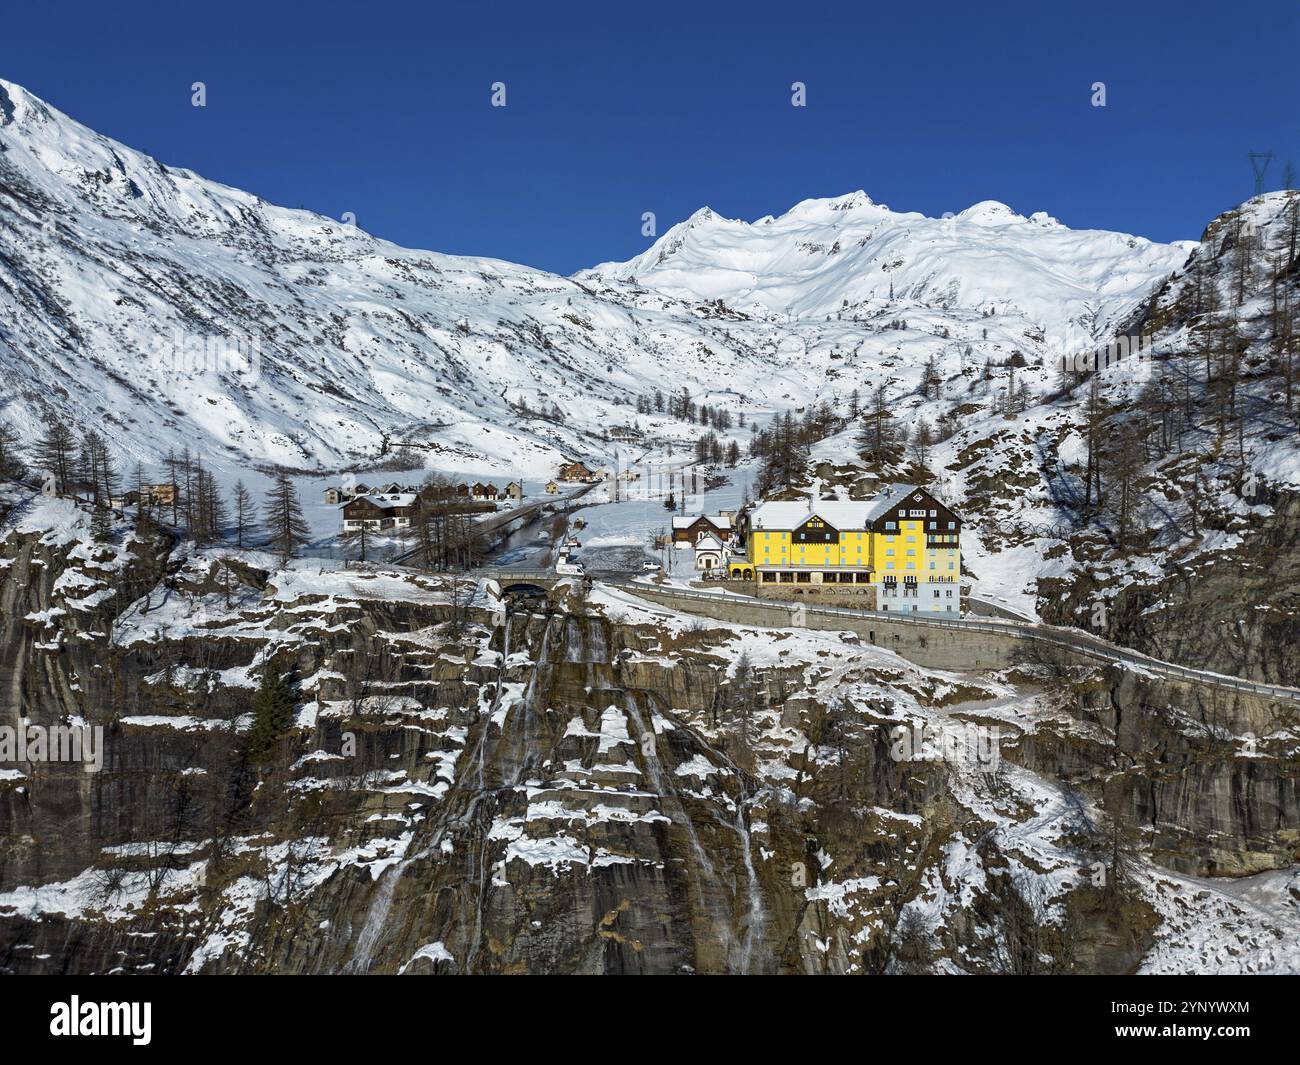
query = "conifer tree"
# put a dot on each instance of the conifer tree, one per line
(282, 513)
(11, 463)
(243, 513)
(273, 713)
(101, 524)
(54, 452)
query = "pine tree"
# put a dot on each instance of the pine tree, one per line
(101, 524)
(213, 517)
(273, 714)
(11, 464)
(1095, 414)
(877, 439)
(921, 442)
(360, 539)
(243, 513)
(54, 453)
(144, 523)
(187, 501)
(282, 513)
(176, 489)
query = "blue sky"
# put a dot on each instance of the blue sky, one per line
(383, 109)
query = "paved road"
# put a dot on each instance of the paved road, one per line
(1057, 636)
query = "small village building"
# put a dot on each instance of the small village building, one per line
(577, 471)
(158, 495)
(551, 488)
(484, 491)
(380, 513)
(514, 490)
(688, 528)
(710, 553)
(152, 495)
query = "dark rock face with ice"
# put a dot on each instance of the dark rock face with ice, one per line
(589, 783)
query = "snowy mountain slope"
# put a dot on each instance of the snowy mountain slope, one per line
(106, 257)
(171, 311)
(848, 254)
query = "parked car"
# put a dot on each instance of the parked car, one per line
(650, 564)
(568, 567)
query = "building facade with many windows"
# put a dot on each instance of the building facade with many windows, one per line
(901, 550)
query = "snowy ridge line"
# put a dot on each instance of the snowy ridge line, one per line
(263, 335)
(1089, 645)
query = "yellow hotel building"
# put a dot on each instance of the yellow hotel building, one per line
(901, 549)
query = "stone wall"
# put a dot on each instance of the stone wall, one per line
(957, 649)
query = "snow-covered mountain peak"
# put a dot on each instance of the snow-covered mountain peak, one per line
(827, 208)
(848, 254)
(109, 260)
(18, 105)
(990, 213)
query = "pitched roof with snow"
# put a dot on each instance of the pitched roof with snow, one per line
(790, 515)
(837, 513)
(400, 499)
(718, 521)
(890, 496)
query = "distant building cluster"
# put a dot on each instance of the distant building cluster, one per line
(396, 506)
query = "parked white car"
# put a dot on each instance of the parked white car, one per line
(566, 567)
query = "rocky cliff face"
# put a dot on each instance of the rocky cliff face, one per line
(1233, 610)
(589, 783)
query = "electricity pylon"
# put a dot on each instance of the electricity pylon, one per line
(1259, 163)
